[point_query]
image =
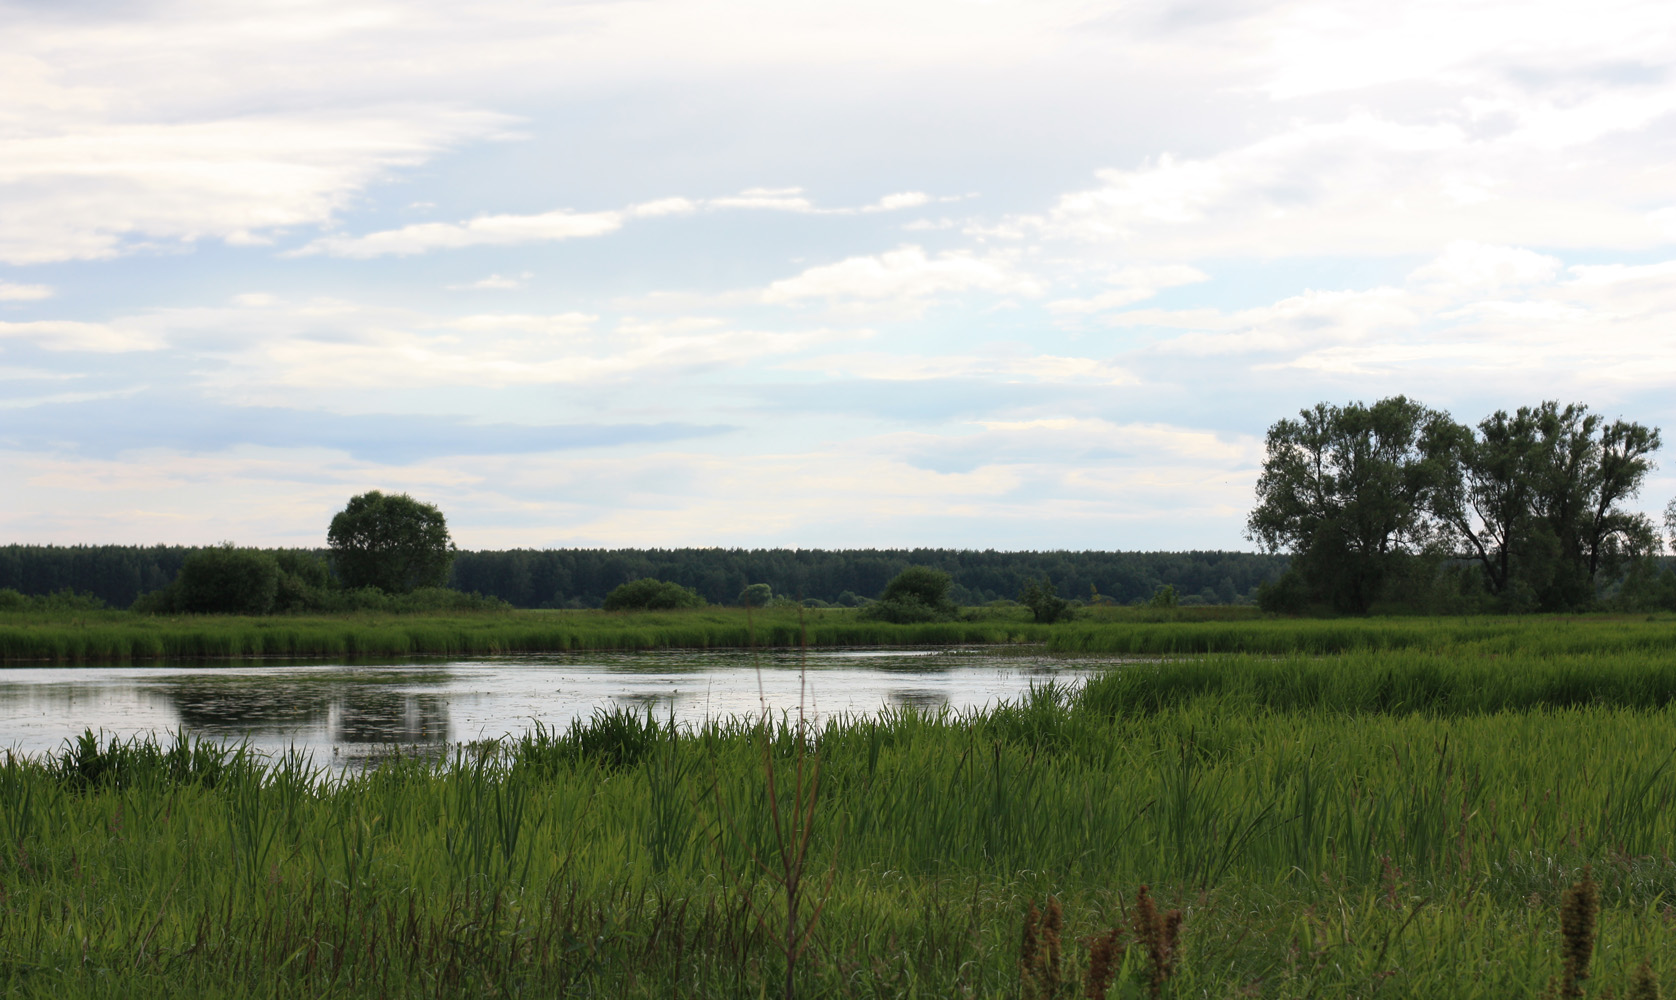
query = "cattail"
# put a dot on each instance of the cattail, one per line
(1052, 926)
(1644, 985)
(1172, 943)
(1578, 909)
(1161, 934)
(1105, 955)
(1029, 948)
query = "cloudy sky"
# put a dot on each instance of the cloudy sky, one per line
(1013, 275)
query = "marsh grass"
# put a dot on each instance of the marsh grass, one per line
(120, 636)
(1309, 838)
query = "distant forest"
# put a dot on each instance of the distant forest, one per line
(580, 578)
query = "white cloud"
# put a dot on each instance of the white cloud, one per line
(663, 206)
(494, 282)
(901, 368)
(94, 338)
(508, 230)
(1163, 444)
(1475, 321)
(1466, 265)
(24, 293)
(265, 347)
(897, 202)
(1133, 284)
(485, 230)
(97, 189)
(1364, 184)
(773, 199)
(906, 276)
(1329, 46)
(1294, 323)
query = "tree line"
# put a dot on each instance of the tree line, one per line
(1396, 504)
(581, 578)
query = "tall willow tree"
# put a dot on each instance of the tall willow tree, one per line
(1350, 491)
(1539, 503)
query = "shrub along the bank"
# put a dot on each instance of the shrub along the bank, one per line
(917, 594)
(648, 594)
(235, 581)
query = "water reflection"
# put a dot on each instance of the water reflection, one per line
(660, 705)
(268, 707)
(388, 717)
(917, 698)
(354, 712)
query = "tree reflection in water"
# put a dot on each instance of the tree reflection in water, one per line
(303, 710)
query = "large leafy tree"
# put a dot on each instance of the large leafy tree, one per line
(1349, 492)
(1539, 503)
(390, 541)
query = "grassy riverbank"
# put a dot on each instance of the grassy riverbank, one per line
(121, 636)
(1386, 822)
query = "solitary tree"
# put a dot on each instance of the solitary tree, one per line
(1349, 491)
(390, 541)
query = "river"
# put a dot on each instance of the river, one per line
(349, 712)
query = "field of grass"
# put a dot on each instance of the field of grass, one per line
(121, 636)
(1407, 817)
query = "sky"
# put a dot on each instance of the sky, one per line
(948, 273)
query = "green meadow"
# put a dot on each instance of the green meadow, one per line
(118, 636)
(96, 636)
(1373, 808)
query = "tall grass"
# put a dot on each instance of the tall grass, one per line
(122, 637)
(1319, 838)
(116, 636)
(1467, 636)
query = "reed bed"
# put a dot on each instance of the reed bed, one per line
(1318, 838)
(124, 637)
(118, 636)
(1465, 636)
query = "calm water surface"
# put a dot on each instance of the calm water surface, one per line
(349, 712)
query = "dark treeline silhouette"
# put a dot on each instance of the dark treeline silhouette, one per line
(116, 574)
(580, 578)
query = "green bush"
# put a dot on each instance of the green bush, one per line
(227, 580)
(647, 594)
(917, 594)
(1044, 602)
(59, 600)
(1288, 595)
(756, 595)
(303, 581)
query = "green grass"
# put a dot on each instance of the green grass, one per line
(1392, 822)
(120, 636)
